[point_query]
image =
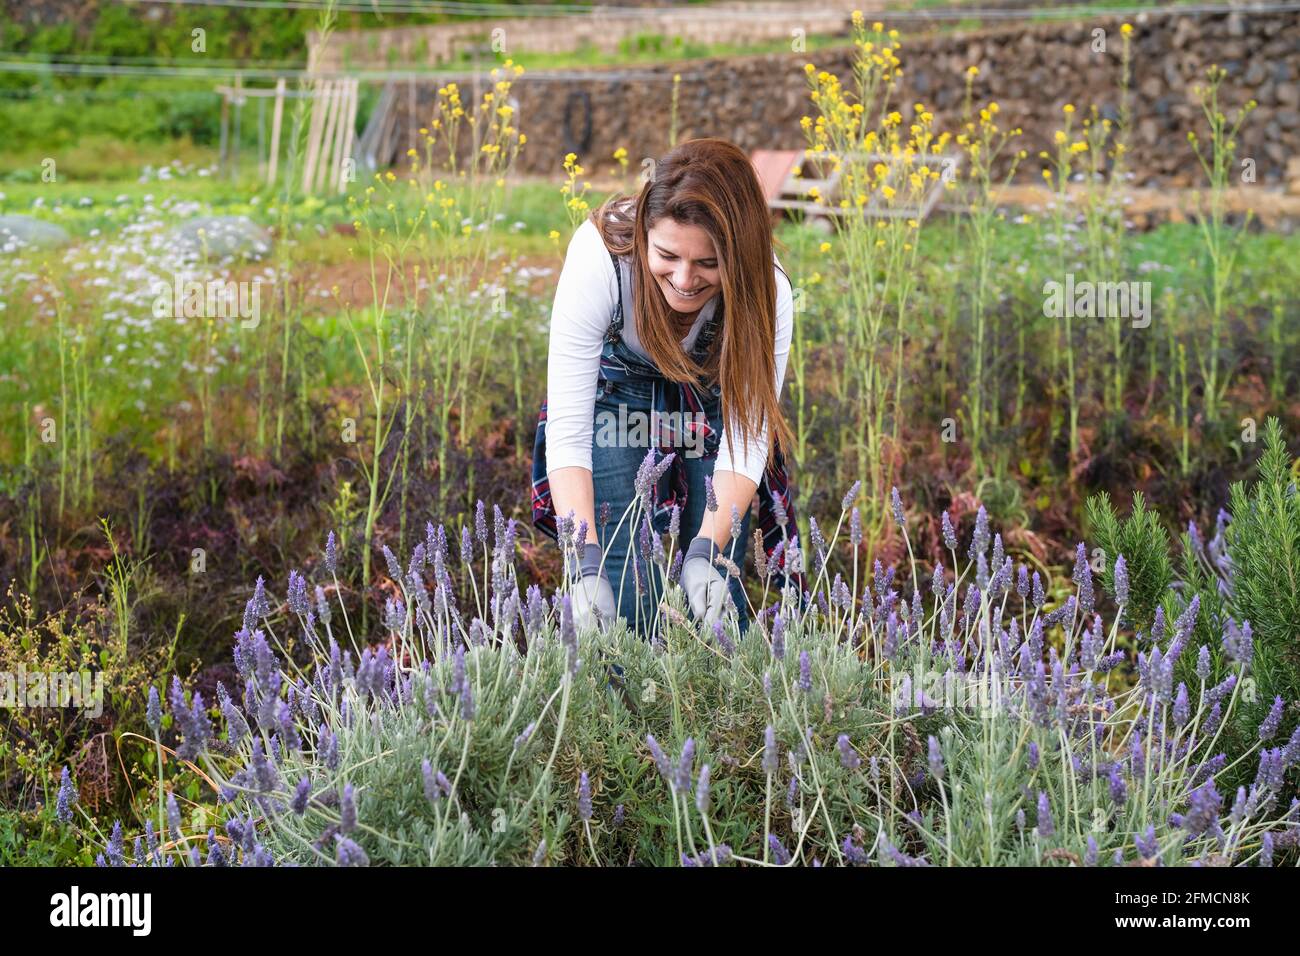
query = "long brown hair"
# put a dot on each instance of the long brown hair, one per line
(710, 183)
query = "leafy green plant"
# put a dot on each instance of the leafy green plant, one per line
(1263, 548)
(1142, 540)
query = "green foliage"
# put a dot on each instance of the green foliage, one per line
(36, 838)
(1264, 547)
(1142, 540)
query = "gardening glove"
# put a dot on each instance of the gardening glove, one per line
(591, 597)
(703, 582)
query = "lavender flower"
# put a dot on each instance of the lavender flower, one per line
(724, 642)
(980, 539)
(584, 797)
(778, 637)
(1269, 727)
(935, 758)
(778, 509)
(1266, 849)
(331, 555)
(769, 750)
(467, 542)
(301, 795)
(1182, 706)
(1039, 597)
(1202, 817)
(1203, 663)
(525, 735)
(349, 853)
(780, 855)
(855, 855)
(1082, 578)
(949, 533)
(1121, 580)
(1118, 788)
(1238, 642)
(896, 503)
(1045, 826)
(115, 848)
(660, 759)
(805, 673)
(347, 810)
(67, 797)
(849, 758)
(153, 711)
(714, 856)
(1033, 755)
(684, 764)
(710, 496)
(298, 593)
(702, 791)
(1211, 722)
(847, 501)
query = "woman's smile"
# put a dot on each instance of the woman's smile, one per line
(684, 263)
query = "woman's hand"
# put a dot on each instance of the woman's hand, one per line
(591, 597)
(704, 584)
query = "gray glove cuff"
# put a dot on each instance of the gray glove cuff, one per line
(701, 547)
(591, 562)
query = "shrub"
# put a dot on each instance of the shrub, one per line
(972, 728)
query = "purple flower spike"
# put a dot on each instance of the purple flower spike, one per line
(1269, 727)
(1121, 580)
(1045, 826)
(67, 797)
(347, 810)
(778, 637)
(660, 758)
(153, 711)
(780, 855)
(849, 495)
(949, 533)
(714, 856)
(702, 791)
(684, 765)
(1082, 578)
(935, 758)
(349, 853)
(584, 797)
(849, 758)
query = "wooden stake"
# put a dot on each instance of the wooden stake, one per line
(313, 134)
(275, 132)
(349, 133)
(323, 171)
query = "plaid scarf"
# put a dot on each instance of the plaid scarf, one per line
(675, 403)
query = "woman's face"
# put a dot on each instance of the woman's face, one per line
(684, 263)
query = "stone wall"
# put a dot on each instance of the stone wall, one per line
(1031, 71)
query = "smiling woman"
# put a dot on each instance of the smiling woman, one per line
(672, 303)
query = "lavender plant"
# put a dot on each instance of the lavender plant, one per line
(967, 725)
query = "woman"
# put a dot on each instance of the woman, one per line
(671, 308)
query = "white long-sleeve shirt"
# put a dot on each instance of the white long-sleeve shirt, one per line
(585, 301)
